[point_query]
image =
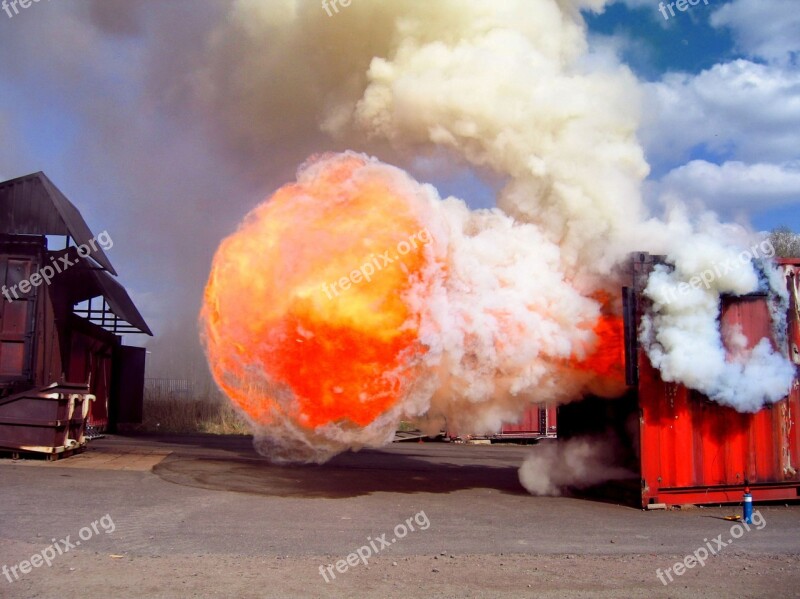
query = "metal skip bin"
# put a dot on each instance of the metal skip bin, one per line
(50, 420)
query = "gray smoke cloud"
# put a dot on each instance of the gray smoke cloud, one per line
(554, 468)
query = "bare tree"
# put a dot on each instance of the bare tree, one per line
(786, 242)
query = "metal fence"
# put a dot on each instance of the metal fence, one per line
(169, 387)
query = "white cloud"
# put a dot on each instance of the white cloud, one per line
(768, 29)
(739, 110)
(744, 114)
(734, 186)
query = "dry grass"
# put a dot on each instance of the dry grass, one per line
(174, 414)
(206, 413)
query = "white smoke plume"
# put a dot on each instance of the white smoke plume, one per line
(507, 87)
(682, 332)
(510, 89)
(553, 468)
(500, 324)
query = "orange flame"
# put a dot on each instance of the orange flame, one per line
(313, 308)
(606, 360)
(291, 328)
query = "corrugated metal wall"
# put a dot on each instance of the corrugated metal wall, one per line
(537, 420)
(694, 450)
(687, 448)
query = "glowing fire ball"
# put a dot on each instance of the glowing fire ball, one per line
(310, 324)
(356, 297)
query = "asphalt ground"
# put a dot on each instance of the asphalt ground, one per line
(204, 516)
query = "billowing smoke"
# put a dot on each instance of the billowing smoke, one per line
(683, 336)
(357, 297)
(554, 468)
(502, 308)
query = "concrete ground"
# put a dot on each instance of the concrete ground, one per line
(200, 516)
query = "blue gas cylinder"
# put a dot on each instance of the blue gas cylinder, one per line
(748, 506)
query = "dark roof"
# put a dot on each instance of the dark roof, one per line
(33, 205)
(81, 283)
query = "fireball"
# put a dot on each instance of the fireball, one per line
(307, 316)
(357, 296)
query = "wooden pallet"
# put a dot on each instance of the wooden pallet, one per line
(56, 453)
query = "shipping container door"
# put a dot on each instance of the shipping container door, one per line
(16, 318)
(128, 389)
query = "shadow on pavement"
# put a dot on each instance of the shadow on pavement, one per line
(228, 463)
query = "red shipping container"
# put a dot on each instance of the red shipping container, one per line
(684, 447)
(693, 450)
(536, 421)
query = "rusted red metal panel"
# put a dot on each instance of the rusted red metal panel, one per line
(792, 270)
(528, 423)
(536, 420)
(694, 450)
(552, 420)
(91, 358)
(17, 262)
(687, 448)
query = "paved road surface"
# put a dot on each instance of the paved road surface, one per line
(201, 516)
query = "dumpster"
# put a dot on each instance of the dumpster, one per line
(49, 420)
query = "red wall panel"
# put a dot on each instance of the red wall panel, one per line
(694, 450)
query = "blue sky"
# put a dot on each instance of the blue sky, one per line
(686, 42)
(708, 59)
